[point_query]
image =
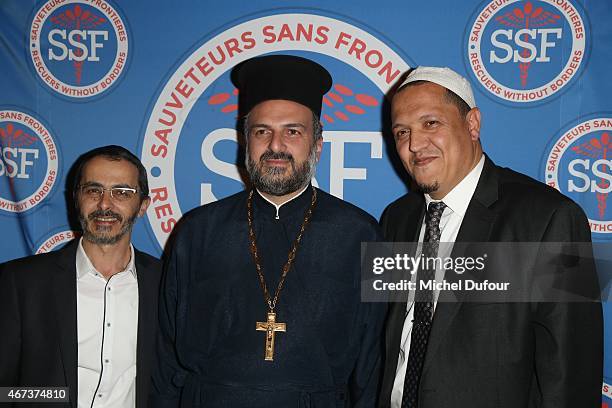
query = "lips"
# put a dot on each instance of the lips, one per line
(423, 161)
(277, 162)
(105, 220)
(105, 217)
(271, 157)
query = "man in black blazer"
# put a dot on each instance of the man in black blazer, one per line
(482, 355)
(85, 316)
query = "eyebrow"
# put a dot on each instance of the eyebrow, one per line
(422, 117)
(285, 125)
(428, 116)
(295, 125)
(96, 184)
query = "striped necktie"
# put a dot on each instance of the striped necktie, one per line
(423, 308)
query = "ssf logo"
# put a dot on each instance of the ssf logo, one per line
(526, 51)
(191, 148)
(579, 164)
(28, 161)
(78, 49)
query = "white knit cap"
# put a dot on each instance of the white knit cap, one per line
(445, 77)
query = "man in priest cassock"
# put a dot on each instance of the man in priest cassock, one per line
(260, 303)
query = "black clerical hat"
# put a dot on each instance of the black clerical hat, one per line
(285, 77)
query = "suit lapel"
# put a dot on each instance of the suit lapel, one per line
(409, 226)
(478, 220)
(475, 227)
(146, 323)
(64, 291)
(407, 230)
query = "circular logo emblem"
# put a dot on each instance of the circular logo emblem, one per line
(526, 51)
(56, 241)
(190, 146)
(579, 164)
(606, 391)
(78, 48)
(28, 164)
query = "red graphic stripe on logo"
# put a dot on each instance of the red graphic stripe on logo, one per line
(224, 97)
(335, 97)
(351, 108)
(354, 109)
(366, 100)
(229, 108)
(343, 90)
(227, 103)
(341, 115)
(218, 99)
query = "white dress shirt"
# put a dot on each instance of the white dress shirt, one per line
(107, 327)
(457, 201)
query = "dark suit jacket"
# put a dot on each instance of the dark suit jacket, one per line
(38, 321)
(514, 355)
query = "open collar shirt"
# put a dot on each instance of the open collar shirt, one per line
(107, 326)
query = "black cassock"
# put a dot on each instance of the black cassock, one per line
(210, 354)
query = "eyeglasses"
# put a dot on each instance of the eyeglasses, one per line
(95, 193)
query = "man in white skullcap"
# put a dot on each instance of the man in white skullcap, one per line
(474, 354)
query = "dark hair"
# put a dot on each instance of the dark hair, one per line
(450, 97)
(112, 152)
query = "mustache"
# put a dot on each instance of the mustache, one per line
(270, 155)
(106, 213)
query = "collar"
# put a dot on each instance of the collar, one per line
(84, 265)
(285, 209)
(458, 199)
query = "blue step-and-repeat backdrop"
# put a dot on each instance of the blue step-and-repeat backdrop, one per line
(154, 77)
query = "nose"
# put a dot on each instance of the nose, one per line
(105, 201)
(418, 141)
(277, 143)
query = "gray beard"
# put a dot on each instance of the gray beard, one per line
(271, 181)
(102, 239)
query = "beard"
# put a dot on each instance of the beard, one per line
(274, 180)
(429, 188)
(102, 235)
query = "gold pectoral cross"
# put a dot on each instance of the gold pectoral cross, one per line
(270, 327)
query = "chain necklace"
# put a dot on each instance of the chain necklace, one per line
(271, 326)
(255, 253)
